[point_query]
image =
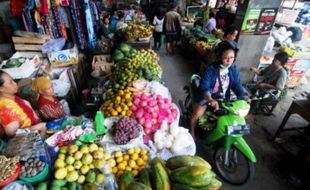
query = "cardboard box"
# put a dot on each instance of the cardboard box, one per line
(64, 57)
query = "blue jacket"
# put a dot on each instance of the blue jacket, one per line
(209, 77)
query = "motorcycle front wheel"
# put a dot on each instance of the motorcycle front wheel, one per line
(238, 169)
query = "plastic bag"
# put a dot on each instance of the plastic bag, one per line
(158, 88)
(108, 144)
(53, 45)
(61, 88)
(65, 106)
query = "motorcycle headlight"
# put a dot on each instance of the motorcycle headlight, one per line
(242, 112)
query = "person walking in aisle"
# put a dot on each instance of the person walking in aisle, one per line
(210, 25)
(158, 22)
(172, 29)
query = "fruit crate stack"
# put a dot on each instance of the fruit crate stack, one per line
(28, 41)
(103, 62)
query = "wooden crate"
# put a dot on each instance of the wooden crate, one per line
(103, 62)
(29, 41)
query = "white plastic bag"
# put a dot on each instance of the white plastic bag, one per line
(108, 144)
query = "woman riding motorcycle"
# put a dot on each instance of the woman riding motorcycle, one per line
(216, 82)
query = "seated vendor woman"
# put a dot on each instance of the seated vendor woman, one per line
(16, 113)
(216, 82)
(48, 106)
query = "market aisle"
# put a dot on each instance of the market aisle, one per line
(176, 73)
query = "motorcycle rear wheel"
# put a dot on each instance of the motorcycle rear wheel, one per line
(232, 172)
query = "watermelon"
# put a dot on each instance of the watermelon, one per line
(118, 56)
(125, 48)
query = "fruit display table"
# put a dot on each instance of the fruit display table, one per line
(300, 107)
(140, 44)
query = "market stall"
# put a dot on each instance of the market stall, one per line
(290, 34)
(124, 147)
(200, 45)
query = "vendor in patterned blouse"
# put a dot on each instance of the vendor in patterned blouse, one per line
(16, 113)
(48, 106)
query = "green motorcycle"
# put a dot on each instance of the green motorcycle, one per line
(233, 158)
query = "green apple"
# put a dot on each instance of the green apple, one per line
(72, 176)
(87, 159)
(70, 160)
(81, 179)
(59, 163)
(84, 169)
(77, 164)
(100, 178)
(63, 150)
(78, 155)
(93, 147)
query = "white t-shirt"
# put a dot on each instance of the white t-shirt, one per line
(225, 80)
(158, 24)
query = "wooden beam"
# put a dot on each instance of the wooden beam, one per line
(21, 47)
(29, 40)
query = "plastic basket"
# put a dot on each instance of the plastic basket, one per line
(2, 145)
(12, 177)
(9, 186)
(38, 178)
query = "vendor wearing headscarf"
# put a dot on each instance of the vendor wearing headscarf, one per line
(16, 113)
(48, 106)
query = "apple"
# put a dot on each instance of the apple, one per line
(84, 169)
(70, 160)
(87, 159)
(78, 155)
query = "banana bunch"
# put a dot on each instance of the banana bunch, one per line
(290, 51)
(136, 30)
(203, 45)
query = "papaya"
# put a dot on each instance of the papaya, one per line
(178, 186)
(59, 182)
(194, 176)
(41, 186)
(90, 186)
(160, 175)
(144, 177)
(181, 161)
(72, 186)
(138, 186)
(125, 180)
(214, 184)
(55, 187)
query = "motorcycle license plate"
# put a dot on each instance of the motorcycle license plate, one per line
(238, 130)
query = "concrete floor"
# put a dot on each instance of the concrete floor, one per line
(176, 73)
